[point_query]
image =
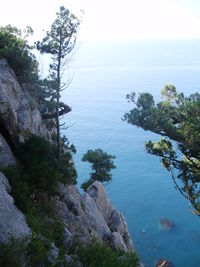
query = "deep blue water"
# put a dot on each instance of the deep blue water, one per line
(143, 191)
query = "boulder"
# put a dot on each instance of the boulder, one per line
(12, 220)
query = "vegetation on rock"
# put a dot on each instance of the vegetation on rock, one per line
(15, 49)
(101, 255)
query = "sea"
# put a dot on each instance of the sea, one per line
(100, 76)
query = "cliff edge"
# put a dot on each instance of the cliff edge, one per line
(85, 217)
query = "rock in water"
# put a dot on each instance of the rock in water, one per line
(164, 263)
(166, 224)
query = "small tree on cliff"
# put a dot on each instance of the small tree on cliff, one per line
(177, 120)
(59, 42)
(102, 164)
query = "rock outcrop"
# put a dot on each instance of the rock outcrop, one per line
(86, 216)
(92, 215)
(19, 116)
(12, 220)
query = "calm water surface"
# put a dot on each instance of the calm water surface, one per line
(143, 191)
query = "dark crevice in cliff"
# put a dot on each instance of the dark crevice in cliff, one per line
(7, 137)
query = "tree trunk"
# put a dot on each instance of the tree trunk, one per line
(58, 104)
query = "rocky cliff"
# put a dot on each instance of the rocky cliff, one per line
(85, 217)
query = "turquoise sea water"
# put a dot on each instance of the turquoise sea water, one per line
(143, 191)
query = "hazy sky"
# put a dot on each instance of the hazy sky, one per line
(111, 19)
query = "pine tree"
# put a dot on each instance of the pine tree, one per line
(59, 43)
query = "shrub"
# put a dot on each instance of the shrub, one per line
(42, 170)
(15, 49)
(17, 253)
(12, 254)
(101, 255)
(34, 180)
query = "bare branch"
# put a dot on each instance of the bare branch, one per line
(64, 110)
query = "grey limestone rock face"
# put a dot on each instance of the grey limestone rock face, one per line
(71, 196)
(53, 254)
(98, 193)
(6, 155)
(117, 241)
(113, 217)
(19, 115)
(4, 183)
(12, 220)
(76, 224)
(94, 216)
(118, 224)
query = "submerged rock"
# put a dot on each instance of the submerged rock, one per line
(164, 263)
(166, 224)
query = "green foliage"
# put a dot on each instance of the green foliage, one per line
(86, 184)
(59, 43)
(37, 251)
(101, 255)
(42, 170)
(15, 49)
(21, 191)
(17, 253)
(12, 254)
(35, 179)
(177, 119)
(60, 40)
(36, 206)
(102, 163)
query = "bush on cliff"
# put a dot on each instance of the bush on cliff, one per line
(35, 179)
(15, 49)
(42, 170)
(101, 255)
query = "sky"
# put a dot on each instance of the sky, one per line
(105, 20)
